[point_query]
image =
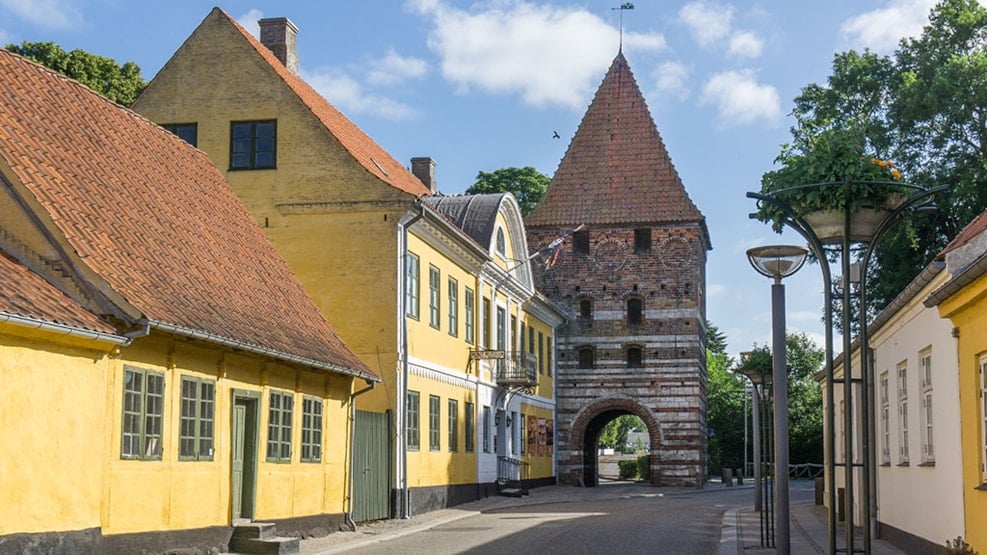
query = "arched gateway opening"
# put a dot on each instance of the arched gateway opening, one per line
(589, 425)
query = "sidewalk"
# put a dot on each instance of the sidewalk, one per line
(740, 532)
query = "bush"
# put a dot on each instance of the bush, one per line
(959, 547)
(628, 469)
(644, 467)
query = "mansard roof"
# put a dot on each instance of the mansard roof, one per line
(474, 214)
(145, 220)
(616, 169)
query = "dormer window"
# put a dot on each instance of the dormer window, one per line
(501, 244)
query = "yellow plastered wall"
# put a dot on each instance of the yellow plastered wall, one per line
(967, 309)
(173, 494)
(428, 466)
(54, 425)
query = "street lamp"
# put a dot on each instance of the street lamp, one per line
(760, 379)
(778, 262)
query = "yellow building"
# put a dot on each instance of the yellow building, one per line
(168, 383)
(963, 299)
(409, 290)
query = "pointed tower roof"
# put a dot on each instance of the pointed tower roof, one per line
(616, 170)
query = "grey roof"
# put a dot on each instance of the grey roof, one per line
(474, 214)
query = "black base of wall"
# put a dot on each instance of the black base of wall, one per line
(433, 498)
(909, 543)
(201, 541)
(315, 526)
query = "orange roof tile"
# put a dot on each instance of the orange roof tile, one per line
(364, 150)
(25, 293)
(155, 219)
(616, 169)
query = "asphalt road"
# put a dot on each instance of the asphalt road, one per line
(649, 522)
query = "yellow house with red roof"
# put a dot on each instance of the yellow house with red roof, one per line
(166, 377)
(448, 316)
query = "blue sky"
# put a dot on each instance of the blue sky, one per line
(483, 85)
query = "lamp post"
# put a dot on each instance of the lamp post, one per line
(852, 225)
(760, 379)
(778, 262)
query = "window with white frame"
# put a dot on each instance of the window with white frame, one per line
(468, 304)
(885, 420)
(486, 429)
(279, 417)
(434, 420)
(414, 416)
(433, 296)
(453, 307)
(983, 418)
(195, 435)
(515, 436)
(925, 373)
(902, 413)
(411, 285)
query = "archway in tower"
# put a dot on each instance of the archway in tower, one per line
(589, 425)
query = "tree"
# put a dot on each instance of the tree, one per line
(724, 412)
(120, 83)
(924, 107)
(805, 415)
(527, 185)
(716, 341)
(614, 434)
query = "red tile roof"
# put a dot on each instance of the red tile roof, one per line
(364, 150)
(616, 170)
(25, 293)
(972, 229)
(155, 219)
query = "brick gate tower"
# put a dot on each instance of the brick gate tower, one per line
(634, 281)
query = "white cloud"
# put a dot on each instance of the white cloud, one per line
(740, 99)
(745, 44)
(349, 96)
(546, 54)
(708, 21)
(807, 316)
(394, 68)
(55, 14)
(5, 37)
(672, 79)
(249, 21)
(881, 29)
(716, 290)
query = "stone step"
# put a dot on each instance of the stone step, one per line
(512, 492)
(255, 530)
(266, 546)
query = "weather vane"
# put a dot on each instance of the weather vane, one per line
(624, 6)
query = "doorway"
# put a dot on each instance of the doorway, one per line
(245, 421)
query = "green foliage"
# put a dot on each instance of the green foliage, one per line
(120, 83)
(925, 107)
(628, 469)
(644, 467)
(716, 341)
(527, 185)
(805, 414)
(614, 434)
(724, 412)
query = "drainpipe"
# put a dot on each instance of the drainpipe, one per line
(348, 517)
(403, 390)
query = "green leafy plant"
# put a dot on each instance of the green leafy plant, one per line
(644, 467)
(628, 469)
(816, 169)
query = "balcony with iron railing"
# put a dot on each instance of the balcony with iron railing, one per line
(510, 369)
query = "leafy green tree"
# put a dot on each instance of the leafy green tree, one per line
(805, 415)
(925, 107)
(120, 83)
(614, 434)
(724, 412)
(527, 184)
(716, 341)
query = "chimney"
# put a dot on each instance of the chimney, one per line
(424, 169)
(278, 34)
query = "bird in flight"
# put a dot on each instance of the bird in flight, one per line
(555, 135)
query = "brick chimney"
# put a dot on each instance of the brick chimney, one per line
(423, 168)
(278, 34)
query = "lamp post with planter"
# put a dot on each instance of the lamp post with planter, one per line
(759, 373)
(859, 214)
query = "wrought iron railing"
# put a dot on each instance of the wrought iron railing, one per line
(517, 369)
(512, 473)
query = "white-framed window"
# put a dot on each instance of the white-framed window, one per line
(468, 314)
(434, 420)
(501, 245)
(433, 296)
(414, 419)
(515, 436)
(902, 371)
(411, 285)
(925, 373)
(279, 417)
(885, 420)
(453, 307)
(143, 414)
(983, 418)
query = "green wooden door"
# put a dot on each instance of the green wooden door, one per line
(243, 444)
(371, 466)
